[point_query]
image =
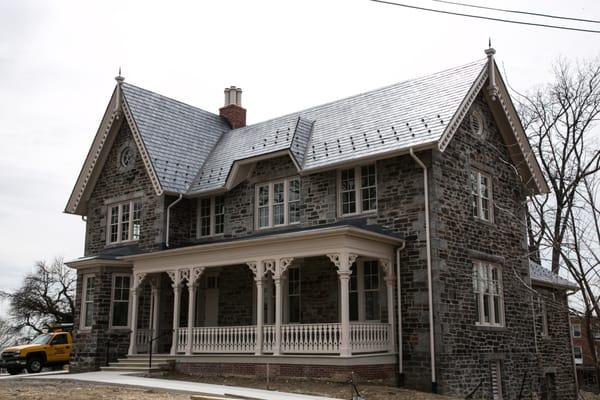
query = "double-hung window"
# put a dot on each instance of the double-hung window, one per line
(124, 221)
(578, 354)
(481, 195)
(364, 291)
(294, 292)
(211, 216)
(357, 189)
(576, 330)
(489, 295)
(87, 303)
(120, 301)
(278, 203)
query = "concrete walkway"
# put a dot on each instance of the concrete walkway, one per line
(124, 378)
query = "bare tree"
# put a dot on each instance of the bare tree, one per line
(7, 336)
(46, 296)
(560, 119)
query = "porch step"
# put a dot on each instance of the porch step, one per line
(139, 363)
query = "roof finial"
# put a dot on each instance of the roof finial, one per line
(119, 78)
(492, 88)
(489, 47)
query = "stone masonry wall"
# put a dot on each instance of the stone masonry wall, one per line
(90, 346)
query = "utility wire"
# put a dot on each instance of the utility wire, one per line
(510, 21)
(456, 3)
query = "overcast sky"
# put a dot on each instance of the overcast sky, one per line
(58, 60)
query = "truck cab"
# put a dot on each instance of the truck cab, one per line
(52, 349)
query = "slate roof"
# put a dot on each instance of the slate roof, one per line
(193, 150)
(544, 276)
(177, 136)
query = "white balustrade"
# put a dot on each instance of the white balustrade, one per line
(142, 338)
(369, 337)
(182, 336)
(310, 338)
(224, 339)
(268, 338)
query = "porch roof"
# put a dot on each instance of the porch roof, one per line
(305, 242)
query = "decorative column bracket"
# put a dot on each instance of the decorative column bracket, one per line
(338, 261)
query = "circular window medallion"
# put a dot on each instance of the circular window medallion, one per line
(476, 123)
(126, 158)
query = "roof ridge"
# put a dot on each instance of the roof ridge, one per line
(363, 93)
(171, 99)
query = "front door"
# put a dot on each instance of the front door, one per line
(211, 304)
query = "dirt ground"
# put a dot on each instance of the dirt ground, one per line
(29, 389)
(327, 389)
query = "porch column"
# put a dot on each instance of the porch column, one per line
(343, 262)
(155, 313)
(258, 271)
(389, 278)
(192, 284)
(280, 268)
(176, 279)
(138, 277)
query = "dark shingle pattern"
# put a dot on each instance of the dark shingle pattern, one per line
(544, 275)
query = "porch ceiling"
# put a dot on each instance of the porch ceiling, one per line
(315, 242)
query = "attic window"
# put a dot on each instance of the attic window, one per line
(126, 157)
(476, 123)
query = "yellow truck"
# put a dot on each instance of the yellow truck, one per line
(52, 349)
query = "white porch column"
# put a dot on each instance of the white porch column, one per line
(259, 273)
(343, 262)
(389, 278)
(155, 313)
(192, 284)
(176, 279)
(138, 277)
(280, 268)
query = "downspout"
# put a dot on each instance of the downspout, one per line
(429, 273)
(169, 218)
(399, 298)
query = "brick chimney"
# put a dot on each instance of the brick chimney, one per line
(233, 111)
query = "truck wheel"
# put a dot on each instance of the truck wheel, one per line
(34, 365)
(14, 371)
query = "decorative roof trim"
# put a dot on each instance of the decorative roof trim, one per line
(464, 107)
(143, 152)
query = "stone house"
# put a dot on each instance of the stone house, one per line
(382, 234)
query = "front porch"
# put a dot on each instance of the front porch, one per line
(329, 293)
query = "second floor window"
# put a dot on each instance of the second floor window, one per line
(576, 330)
(489, 294)
(481, 195)
(124, 221)
(578, 354)
(358, 189)
(87, 303)
(278, 203)
(120, 301)
(211, 216)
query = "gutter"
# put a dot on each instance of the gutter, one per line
(429, 273)
(399, 298)
(169, 218)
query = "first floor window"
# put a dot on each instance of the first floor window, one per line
(489, 296)
(124, 221)
(211, 216)
(371, 279)
(481, 195)
(353, 293)
(87, 303)
(294, 287)
(278, 203)
(357, 189)
(578, 354)
(364, 291)
(120, 301)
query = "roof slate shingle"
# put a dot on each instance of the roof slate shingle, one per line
(545, 276)
(193, 150)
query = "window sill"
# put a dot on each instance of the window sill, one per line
(491, 327)
(266, 228)
(124, 243)
(358, 214)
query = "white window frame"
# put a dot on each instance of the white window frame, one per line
(578, 360)
(130, 231)
(213, 216)
(298, 295)
(578, 330)
(84, 302)
(357, 190)
(361, 291)
(477, 196)
(271, 195)
(480, 283)
(113, 301)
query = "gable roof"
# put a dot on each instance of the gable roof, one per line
(545, 277)
(191, 151)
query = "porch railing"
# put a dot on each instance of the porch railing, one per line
(224, 339)
(310, 338)
(142, 339)
(369, 337)
(182, 339)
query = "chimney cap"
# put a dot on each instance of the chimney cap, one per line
(233, 95)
